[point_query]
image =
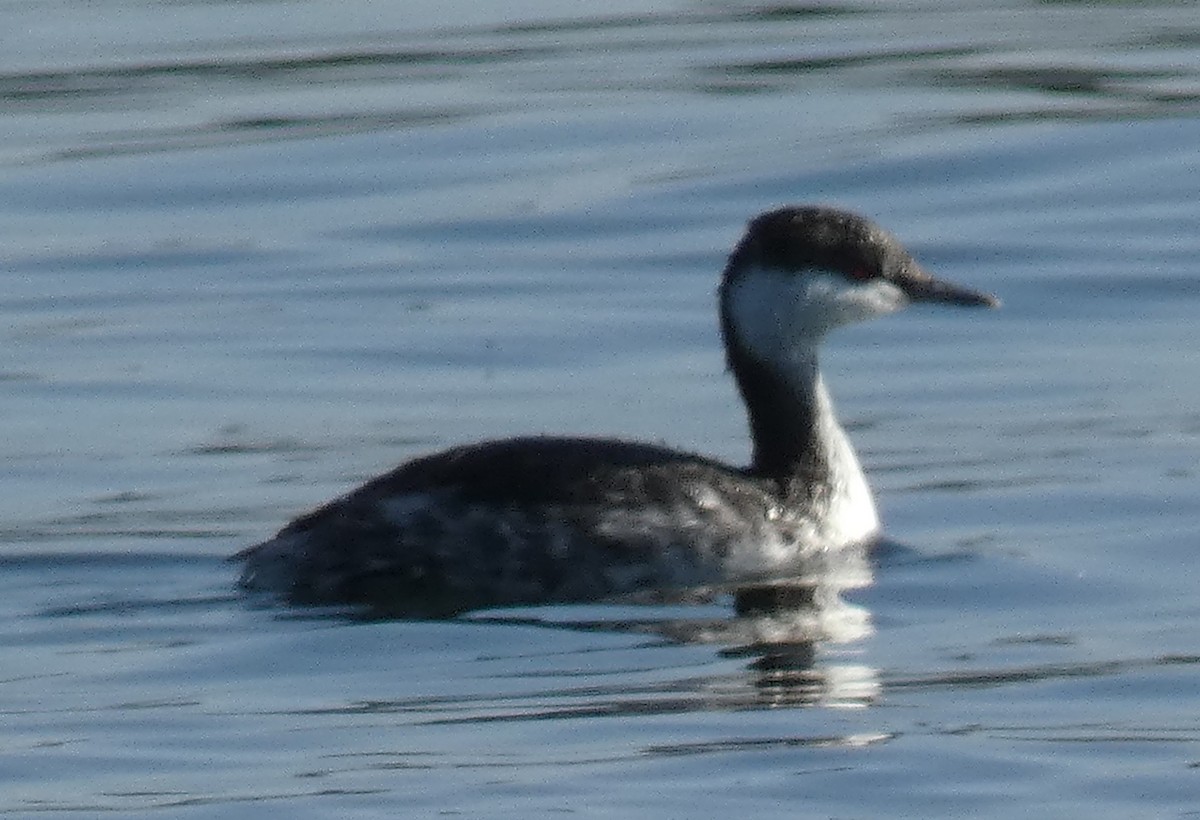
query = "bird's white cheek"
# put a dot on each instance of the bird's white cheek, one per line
(876, 298)
(763, 306)
(776, 313)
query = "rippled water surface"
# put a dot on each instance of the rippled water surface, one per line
(251, 254)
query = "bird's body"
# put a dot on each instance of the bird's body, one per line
(536, 520)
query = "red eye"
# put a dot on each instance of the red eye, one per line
(860, 274)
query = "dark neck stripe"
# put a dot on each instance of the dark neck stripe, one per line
(784, 426)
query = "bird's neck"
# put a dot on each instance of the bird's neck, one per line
(788, 416)
(772, 324)
(798, 442)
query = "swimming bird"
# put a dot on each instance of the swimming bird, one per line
(553, 519)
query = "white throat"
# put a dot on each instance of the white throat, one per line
(780, 319)
(849, 515)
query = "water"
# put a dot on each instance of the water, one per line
(254, 253)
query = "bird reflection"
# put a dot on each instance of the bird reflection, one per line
(791, 633)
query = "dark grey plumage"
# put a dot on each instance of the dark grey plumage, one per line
(536, 520)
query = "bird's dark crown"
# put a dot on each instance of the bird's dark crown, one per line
(816, 237)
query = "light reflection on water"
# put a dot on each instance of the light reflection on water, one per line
(241, 273)
(1103, 63)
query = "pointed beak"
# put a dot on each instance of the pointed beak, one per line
(920, 286)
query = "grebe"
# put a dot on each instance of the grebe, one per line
(542, 520)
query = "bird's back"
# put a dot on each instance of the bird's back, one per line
(523, 521)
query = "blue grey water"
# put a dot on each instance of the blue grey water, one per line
(252, 253)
